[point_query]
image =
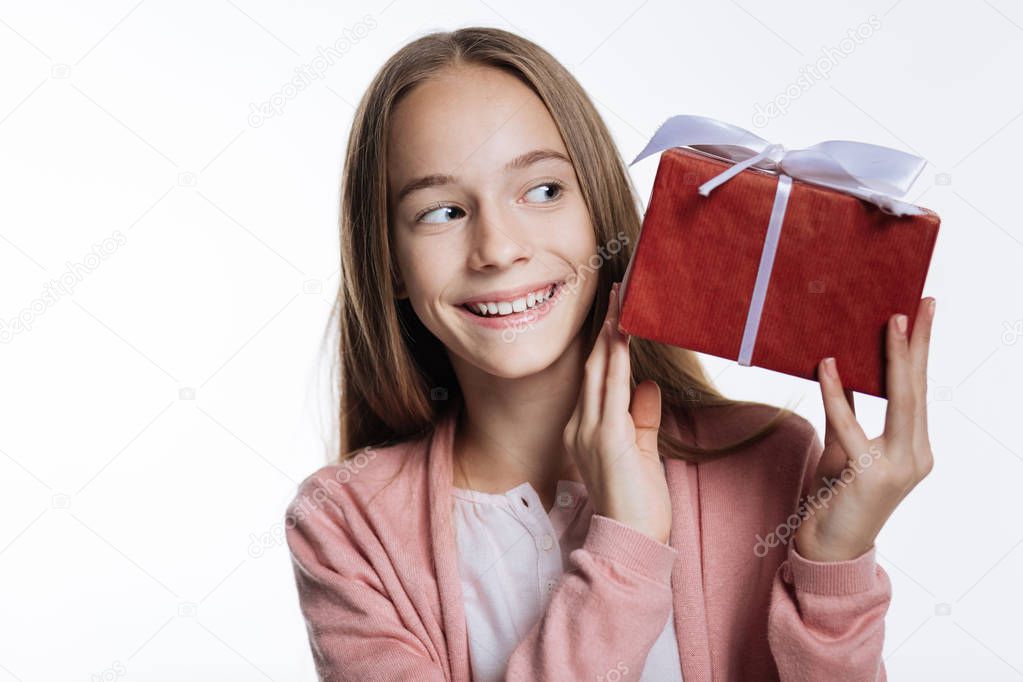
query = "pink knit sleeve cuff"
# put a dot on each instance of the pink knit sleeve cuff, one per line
(629, 547)
(831, 577)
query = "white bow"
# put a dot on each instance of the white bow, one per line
(871, 172)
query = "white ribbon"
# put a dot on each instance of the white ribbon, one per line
(873, 173)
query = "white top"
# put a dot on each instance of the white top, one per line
(512, 554)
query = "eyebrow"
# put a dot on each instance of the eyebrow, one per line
(519, 162)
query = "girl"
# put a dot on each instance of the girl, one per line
(525, 493)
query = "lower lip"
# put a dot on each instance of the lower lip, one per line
(528, 316)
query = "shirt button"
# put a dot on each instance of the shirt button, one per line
(547, 541)
(565, 499)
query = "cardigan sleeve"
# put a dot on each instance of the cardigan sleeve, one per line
(605, 614)
(826, 619)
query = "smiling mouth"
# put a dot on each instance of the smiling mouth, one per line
(497, 309)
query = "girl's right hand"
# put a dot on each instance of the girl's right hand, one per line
(613, 442)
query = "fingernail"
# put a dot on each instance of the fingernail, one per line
(931, 305)
(829, 367)
(900, 323)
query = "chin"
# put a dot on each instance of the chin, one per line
(516, 368)
(528, 354)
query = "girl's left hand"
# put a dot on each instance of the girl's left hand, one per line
(870, 477)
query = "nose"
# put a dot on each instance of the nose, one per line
(495, 242)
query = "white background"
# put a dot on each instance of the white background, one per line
(155, 419)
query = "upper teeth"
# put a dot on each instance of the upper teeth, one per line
(530, 300)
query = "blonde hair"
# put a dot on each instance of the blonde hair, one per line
(394, 376)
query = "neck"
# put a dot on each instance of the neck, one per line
(511, 430)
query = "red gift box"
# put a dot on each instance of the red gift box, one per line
(841, 267)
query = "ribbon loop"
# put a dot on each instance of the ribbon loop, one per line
(876, 174)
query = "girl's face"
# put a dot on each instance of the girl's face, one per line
(485, 209)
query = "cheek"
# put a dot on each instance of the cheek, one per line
(577, 238)
(426, 267)
(578, 245)
(567, 230)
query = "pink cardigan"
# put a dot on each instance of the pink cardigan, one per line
(376, 568)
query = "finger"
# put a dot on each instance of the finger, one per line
(841, 420)
(919, 349)
(595, 373)
(899, 417)
(572, 426)
(617, 388)
(829, 433)
(645, 410)
(920, 342)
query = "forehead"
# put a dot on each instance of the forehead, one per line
(467, 121)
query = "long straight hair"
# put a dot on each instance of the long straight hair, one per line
(394, 377)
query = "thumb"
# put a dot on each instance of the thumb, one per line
(645, 409)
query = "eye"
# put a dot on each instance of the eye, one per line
(542, 193)
(438, 214)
